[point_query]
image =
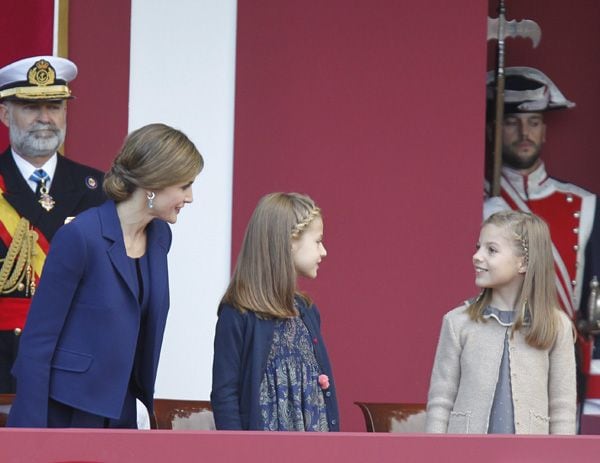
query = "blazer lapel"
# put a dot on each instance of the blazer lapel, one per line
(158, 242)
(111, 230)
(63, 189)
(157, 249)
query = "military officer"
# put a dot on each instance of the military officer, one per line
(570, 211)
(39, 189)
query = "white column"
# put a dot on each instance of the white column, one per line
(182, 74)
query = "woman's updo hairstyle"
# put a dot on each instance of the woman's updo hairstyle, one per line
(153, 157)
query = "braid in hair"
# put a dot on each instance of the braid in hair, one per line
(305, 221)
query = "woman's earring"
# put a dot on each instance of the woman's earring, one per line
(151, 197)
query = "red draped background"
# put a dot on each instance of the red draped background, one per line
(25, 30)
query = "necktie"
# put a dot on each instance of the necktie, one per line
(41, 177)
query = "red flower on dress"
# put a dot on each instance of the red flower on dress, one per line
(324, 382)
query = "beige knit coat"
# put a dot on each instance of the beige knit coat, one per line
(465, 373)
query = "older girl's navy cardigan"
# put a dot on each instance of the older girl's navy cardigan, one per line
(242, 346)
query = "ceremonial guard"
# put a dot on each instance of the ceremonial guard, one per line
(39, 189)
(570, 211)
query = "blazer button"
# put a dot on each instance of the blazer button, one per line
(333, 421)
(328, 394)
(17, 331)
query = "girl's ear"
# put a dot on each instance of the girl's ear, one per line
(522, 266)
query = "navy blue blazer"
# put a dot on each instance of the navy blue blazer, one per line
(79, 343)
(242, 345)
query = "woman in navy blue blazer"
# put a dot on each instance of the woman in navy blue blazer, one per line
(92, 340)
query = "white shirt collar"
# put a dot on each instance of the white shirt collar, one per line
(26, 169)
(529, 185)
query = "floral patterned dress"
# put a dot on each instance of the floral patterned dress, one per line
(290, 396)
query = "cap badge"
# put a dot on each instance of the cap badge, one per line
(41, 74)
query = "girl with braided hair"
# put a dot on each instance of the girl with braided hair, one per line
(271, 370)
(505, 362)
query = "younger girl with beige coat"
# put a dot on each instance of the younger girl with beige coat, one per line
(505, 362)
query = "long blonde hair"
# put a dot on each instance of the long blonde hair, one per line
(537, 300)
(264, 279)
